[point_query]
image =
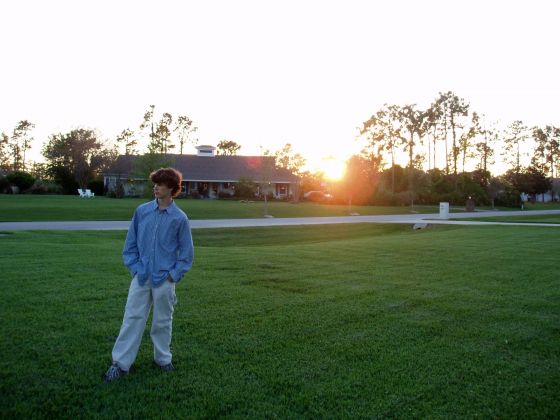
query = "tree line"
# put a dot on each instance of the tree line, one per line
(449, 131)
(449, 150)
(77, 159)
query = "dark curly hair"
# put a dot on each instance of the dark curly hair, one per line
(170, 177)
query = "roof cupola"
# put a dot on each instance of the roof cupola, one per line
(205, 150)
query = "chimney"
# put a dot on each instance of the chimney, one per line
(205, 150)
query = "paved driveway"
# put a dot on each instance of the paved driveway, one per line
(411, 219)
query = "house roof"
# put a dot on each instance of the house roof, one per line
(209, 168)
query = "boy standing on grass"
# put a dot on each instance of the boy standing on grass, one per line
(158, 251)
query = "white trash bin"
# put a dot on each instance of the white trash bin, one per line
(444, 210)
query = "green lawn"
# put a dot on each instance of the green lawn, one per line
(542, 206)
(537, 218)
(342, 321)
(23, 208)
(65, 207)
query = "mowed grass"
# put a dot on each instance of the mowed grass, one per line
(537, 218)
(23, 208)
(346, 321)
(542, 206)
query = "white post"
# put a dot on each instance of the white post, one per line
(444, 210)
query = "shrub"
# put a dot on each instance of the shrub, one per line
(384, 198)
(404, 198)
(471, 188)
(224, 195)
(119, 190)
(508, 197)
(245, 188)
(21, 179)
(455, 198)
(44, 187)
(97, 187)
(63, 177)
(5, 186)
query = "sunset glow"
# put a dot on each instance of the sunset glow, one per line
(240, 75)
(333, 168)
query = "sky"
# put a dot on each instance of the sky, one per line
(266, 73)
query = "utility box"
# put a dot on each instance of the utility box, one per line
(444, 210)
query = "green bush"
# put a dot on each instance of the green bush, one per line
(245, 188)
(97, 187)
(63, 177)
(471, 188)
(404, 198)
(4, 185)
(119, 190)
(383, 197)
(508, 197)
(21, 179)
(44, 187)
(224, 195)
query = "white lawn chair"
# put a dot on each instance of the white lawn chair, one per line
(89, 194)
(82, 193)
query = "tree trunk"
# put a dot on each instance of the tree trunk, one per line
(435, 139)
(446, 149)
(392, 172)
(265, 203)
(410, 149)
(454, 150)
(410, 169)
(429, 154)
(517, 166)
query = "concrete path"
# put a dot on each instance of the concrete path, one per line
(411, 219)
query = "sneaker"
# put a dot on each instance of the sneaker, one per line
(167, 368)
(114, 373)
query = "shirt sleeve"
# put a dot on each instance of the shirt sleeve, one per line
(131, 255)
(185, 253)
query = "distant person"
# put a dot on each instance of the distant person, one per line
(158, 251)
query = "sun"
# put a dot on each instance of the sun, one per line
(333, 168)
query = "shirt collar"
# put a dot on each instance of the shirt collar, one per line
(170, 209)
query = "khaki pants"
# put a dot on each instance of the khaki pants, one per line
(140, 299)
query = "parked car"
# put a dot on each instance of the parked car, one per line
(317, 196)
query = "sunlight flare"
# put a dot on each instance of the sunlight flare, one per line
(333, 168)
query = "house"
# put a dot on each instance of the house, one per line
(550, 196)
(207, 174)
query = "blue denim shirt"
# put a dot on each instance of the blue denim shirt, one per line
(158, 244)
